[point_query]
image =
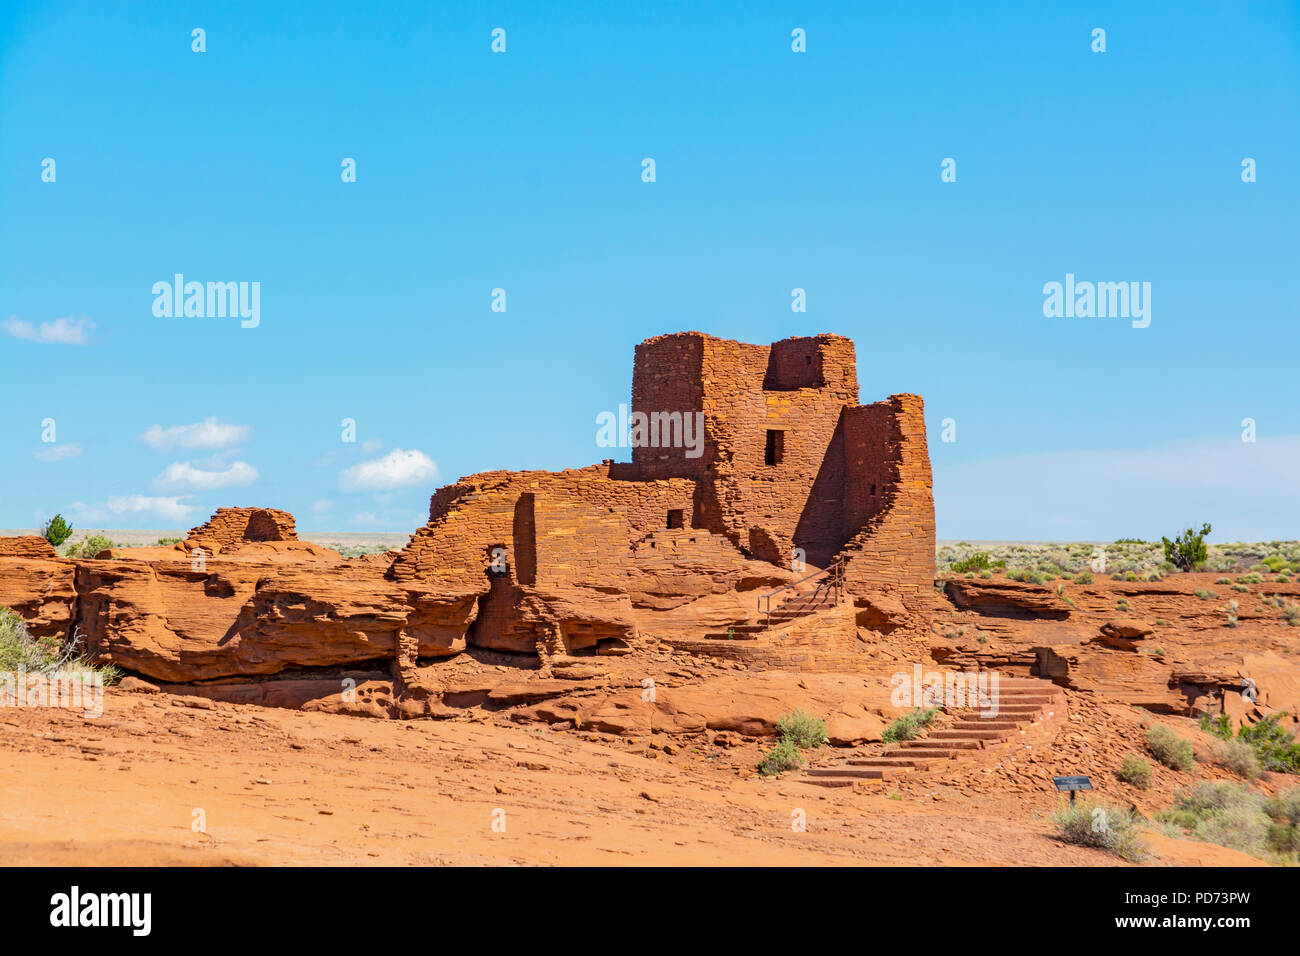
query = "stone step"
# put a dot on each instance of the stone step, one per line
(968, 733)
(939, 753)
(853, 773)
(946, 743)
(886, 762)
(980, 723)
(738, 636)
(828, 781)
(1013, 708)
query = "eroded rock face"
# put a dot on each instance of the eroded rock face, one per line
(42, 591)
(231, 526)
(170, 622)
(27, 546)
(1007, 598)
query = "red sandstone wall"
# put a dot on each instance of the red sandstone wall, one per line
(233, 525)
(896, 547)
(667, 376)
(750, 389)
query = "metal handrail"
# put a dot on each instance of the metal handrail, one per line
(834, 575)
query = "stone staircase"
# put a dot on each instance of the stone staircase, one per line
(826, 591)
(1022, 701)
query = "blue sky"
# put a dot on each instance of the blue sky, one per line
(522, 171)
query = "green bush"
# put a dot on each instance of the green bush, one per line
(19, 650)
(980, 561)
(1083, 577)
(46, 655)
(1188, 550)
(803, 728)
(909, 725)
(1136, 771)
(1231, 815)
(1273, 748)
(784, 756)
(1236, 756)
(56, 531)
(1170, 749)
(1095, 823)
(88, 547)
(1277, 749)
(1220, 726)
(1028, 576)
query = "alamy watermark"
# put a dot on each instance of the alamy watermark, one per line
(1103, 300)
(210, 300)
(651, 430)
(955, 689)
(76, 691)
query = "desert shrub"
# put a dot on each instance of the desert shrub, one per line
(1284, 810)
(1223, 580)
(1291, 613)
(88, 547)
(19, 650)
(1095, 823)
(1237, 757)
(1243, 588)
(1027, 576)
(1277, 750)
(1219, 726)
(1170, 749)
(1136, 771)
(1188, 549)
(980, 561)
(56, 531)
(1231, 815)
(1252, 578)
(46, 655)
(803, 728)
(909, 725)
(784, 756)
(1204, 595)
(164, 542)
(1273, 748)
(1083, 577)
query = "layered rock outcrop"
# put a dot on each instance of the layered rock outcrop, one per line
(751, 467)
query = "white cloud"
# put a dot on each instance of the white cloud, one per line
(171, 509)
(64, 331)
(184, 474)
(57, 452)
(397, 469)
(208, 433)
(1244, 489)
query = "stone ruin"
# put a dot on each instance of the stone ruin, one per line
(791, 476)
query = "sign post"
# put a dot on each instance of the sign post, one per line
(1072, 784)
